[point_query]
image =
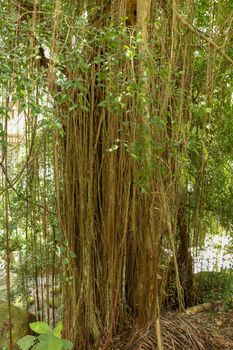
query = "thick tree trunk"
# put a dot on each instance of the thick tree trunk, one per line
(184, 257)
(110, 224)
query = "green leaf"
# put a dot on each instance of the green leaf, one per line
(57, 330)
(26, 342)
(55, 343)
(73, 255)
(65, 261)
(43, 337)
(67, 344)
(73, 107)
(2, 133)
(40, 327)
(4, 144)
(41, 346)
(49, 342)
(103, 104)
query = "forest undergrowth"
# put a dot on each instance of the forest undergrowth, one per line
(205, 330)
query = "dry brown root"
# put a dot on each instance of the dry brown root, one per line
(178, 333)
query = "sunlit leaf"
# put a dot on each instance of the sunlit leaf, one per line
(57, 330)
(26, 342)
(40, 327)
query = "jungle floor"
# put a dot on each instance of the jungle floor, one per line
(206, 330)
(219, 325)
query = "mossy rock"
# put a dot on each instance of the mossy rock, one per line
(19, 325)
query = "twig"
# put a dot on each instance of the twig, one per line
(202, 35)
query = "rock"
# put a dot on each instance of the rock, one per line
(19, 324)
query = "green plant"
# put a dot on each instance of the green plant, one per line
(48, 339)
(211, 285)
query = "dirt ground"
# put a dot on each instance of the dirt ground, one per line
(206, 330)
(218, 324)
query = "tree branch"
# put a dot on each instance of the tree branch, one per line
(203, 36)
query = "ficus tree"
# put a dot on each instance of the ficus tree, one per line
(125, 151)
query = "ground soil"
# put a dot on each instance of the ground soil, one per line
(218, 324)
(206, 330)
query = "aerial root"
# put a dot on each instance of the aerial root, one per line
(178, 333)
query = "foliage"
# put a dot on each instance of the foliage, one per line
(212, 285)
(49, 339)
